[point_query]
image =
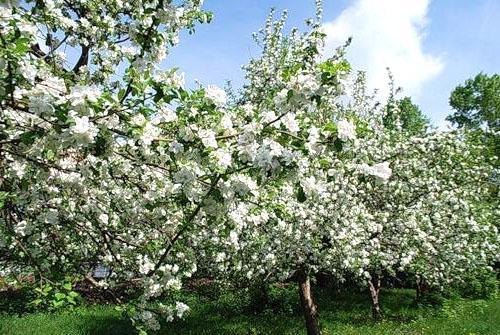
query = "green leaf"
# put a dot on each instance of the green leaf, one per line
(22, 46)
(332, 68)
(73, 294)
(3, 197)
(29, 137)
(121, 94)
(324, 163)
(331, 71)
(68, 286)
(331, 127)
(57, 304)
(71, 300)
(37, 302)
(59, 295)
(61, 115)
(50, 155)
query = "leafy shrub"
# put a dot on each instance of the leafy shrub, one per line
(479, 285)
(432, 298)
(284, 299)
(460, 308)
(55, 296)
(277, 299)
(482, 285)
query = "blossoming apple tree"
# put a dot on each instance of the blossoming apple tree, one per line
(431, 223)
(105, 160)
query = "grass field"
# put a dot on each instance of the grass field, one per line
(229, 313)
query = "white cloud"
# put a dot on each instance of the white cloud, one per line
(386, 33)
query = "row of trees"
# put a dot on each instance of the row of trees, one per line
(106, 159)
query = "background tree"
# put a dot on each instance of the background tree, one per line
(477, 106)
(407, 115)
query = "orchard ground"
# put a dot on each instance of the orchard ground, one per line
(240, 312)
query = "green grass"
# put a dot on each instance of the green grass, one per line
(231, 313)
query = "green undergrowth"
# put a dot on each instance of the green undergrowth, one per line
(276, 311)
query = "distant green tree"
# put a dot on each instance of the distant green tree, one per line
(477, 103)
(477, 107)
(408, 115)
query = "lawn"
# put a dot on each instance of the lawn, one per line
(231, 313)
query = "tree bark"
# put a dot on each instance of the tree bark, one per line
(83, 60)
(374, 285)
(308, 306)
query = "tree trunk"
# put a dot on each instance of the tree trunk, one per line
(308, 305)
(421, 289)
(374, 285)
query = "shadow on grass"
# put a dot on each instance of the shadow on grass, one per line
(355, 308)
(83, 321)
(13, 301)
(236, 312)
(107, 325)
(219, 316)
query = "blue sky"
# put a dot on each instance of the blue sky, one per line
(431, 46)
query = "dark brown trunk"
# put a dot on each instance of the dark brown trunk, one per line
(421, 289)
(374, 285)
(308, 305)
